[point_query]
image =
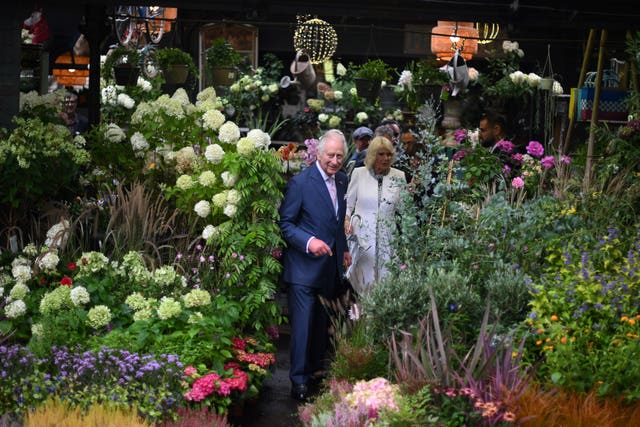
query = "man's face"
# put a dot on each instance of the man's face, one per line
(332, 157)
(486, 133)
(362, 143)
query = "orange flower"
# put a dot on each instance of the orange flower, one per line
(563, 340)
(554, 318)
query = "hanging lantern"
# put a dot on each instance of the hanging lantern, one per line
(448, 36)
(71, 70)
(316, 38)
(487, 32)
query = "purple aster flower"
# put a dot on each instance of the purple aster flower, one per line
(535, 149)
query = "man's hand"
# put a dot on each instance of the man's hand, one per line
(318, 247)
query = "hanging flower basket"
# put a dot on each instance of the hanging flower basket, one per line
(126, 75)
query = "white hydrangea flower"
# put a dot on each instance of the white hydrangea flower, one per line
(229, 179)
(353, 91)
(15, 309)
(19, 291)
(79, 296)
(181, 96)
(114, 133)
(37, 330)
(109, 95)
(334, 121)
(126, 101)
(208, 93)
(213, 119)
(518, 77)
(207, 178)
(21, 273)
(361, 117)
(169, 308)
(245, 146)
(186, 158)
(233, 196)
(79, 141)
(230, 210)
(184, 182)
(143, 84)
(323, 117)
(197, 298)
(229, 133)
(260, 138)
(341, 70)
(99, 316)
(143, 110)
(139, 143)
(214, 153)
(202, 208)
(220, 199)
(49, 261)
(337, 95)
(209, 232)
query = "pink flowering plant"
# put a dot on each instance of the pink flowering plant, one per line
(240, 377)
(534, 173)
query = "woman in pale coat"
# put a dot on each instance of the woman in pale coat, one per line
(372, 200)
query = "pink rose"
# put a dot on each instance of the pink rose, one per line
(517, 182)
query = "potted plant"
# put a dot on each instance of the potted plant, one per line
(123, 65)
(369, 76)
(222, 61)
(176, 65)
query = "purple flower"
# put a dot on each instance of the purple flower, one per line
(517, 182)
(565, 159)
(505, 146)
(516, 158)
(535, 149)
(547, 162)
(460, 135)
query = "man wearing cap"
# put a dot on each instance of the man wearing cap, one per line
(361, 138)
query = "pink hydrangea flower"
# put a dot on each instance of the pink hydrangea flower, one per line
(505, 146)
(516, 158)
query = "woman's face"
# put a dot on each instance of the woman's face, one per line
(383, 160)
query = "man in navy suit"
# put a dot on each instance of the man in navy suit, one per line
(311, 220)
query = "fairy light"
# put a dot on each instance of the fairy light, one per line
(316, 37)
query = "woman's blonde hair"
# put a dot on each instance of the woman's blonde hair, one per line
(378, 143)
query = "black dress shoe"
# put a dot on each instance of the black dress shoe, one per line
(300, 392)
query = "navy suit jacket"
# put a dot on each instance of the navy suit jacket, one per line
(307, 210)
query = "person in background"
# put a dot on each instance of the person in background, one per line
(372, 200)
(361, 139)
(492, 128)
(311, 220)
(76, 122)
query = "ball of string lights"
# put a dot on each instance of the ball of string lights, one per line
(316, 38)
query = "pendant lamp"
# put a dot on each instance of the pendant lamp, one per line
(448, 36)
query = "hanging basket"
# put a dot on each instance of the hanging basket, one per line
(126, 75)
(368, 89)
(176, 74)
(223, 76)
(546, 82)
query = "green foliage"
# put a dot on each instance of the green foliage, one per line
(169, 56)
(584, 310)
(222, 54)
(373, 69)
(32, 157)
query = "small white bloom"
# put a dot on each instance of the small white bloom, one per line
(126, 101)
(337, 95)
(144, 84)
(362, 117)
(220, 199)
(207, 178)
(260, 138)
(202, 208)
(406, 79)
(15, 309)
(58, 234)
(79, 140)
(139, 143)
(323, 117)
(214, 153)
(114, 133)
(79, 296)
(334, 121)
(533, 79)
(233, 196)
(245, 146)
(184, 182)
(21, 273)
(341, 70)
(19, 291)
(209, 232)
(228, 179)
(213, 119)
(49, 261)
(229, 133)
(557, 88)
(230, 210)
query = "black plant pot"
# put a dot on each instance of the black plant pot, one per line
(126, 75)
(368, 89)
